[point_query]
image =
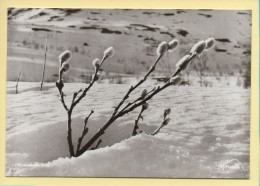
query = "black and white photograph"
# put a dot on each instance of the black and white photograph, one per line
(128, 93)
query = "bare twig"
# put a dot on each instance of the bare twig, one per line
(59, 85)
(69, 134)
(44, 64)
(18, 79)
(164, 122)
(97, 145)
(63, 101)
(84, 131)
(157, 130)
(136, 123)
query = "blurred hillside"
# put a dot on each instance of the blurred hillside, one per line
(134, 34)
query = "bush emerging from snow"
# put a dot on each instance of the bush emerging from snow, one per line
(122, 108)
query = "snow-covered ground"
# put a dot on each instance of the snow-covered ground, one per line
(207, 137)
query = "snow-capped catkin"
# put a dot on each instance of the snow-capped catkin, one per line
(175, 80)
(183, 63)
(109, 52)
(209, 43)
(198, 48)
(162, 48)
(145, 106)
(165, 122)
(144, 92)
(65, 67)
(172, 45)
(65, 56)
(96, 63)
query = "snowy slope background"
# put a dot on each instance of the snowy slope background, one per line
(208, 135)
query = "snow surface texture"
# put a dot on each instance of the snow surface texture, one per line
(207, 137)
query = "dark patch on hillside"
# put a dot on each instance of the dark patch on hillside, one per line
(85, 44)
(243, 13)
(41, 29)
(145, 27)
(149, 13)
(69, 11)
(205, 15)
(139, 36)
(43, 14)
(12, 12)
(180, 11)
(93, 19)
(167, 33)
(53, 17)
(169, 14)
(94, 12)
(182, 32)
(220, 50)
(107, 31)
(88, 27)
(72, 26)
(149, 29)
(149, 39)
(236, 46)
(223, 40)
(15, 12)
(38, 15)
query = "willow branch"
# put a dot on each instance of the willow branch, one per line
(18, 79)
(136, 123)
(94, 79)
(138, 99)
(59, 85)
(132, 88)
(157, 130)
(44, 64)
(114, 117)
(156, 91)
(84, 131)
